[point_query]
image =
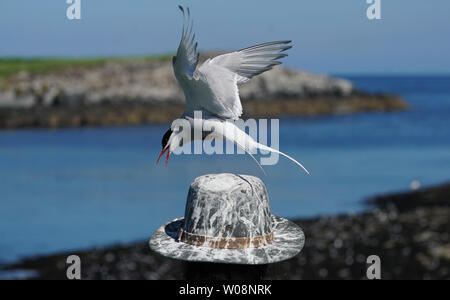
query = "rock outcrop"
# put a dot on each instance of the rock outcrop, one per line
(74, 97)
(151, 82)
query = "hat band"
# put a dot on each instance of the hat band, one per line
(225, 243)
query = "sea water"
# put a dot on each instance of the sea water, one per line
(64, 190)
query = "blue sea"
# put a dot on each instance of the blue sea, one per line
(71, 189)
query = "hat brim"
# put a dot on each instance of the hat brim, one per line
(289, 241)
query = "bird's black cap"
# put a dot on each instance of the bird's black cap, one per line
(166, 137)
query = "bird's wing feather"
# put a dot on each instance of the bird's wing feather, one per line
(254, 60)
(186, 60)
(212, 88)
(207, 90)
(215, 91)
(216, 81)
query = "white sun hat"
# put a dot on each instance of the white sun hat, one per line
(228, 220)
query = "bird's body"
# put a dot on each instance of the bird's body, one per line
(213, 90)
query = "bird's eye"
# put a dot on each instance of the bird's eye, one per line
(174, 59)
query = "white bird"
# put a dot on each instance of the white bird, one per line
(212, 89)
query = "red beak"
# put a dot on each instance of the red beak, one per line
(167, 157)
(162, 153)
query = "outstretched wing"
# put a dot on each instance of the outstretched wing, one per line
(253, 60)
(212, 88)
(185, 62)
(216, 86)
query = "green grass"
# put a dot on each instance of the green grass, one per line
(12, 66)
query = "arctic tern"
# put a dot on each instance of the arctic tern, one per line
(212, 89)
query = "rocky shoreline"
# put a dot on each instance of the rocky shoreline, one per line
(408, 231)
(140, 113)
(130, 92)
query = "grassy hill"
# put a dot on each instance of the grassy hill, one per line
(13, 66)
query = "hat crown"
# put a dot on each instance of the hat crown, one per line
(228, 206)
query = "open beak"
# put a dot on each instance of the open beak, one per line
(162, 153)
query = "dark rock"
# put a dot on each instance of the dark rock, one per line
(412, 243)
(428, 197)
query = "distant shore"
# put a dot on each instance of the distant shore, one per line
(138, 113)
(102, 92)
(408, 231)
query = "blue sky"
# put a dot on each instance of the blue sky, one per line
(329, 36)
